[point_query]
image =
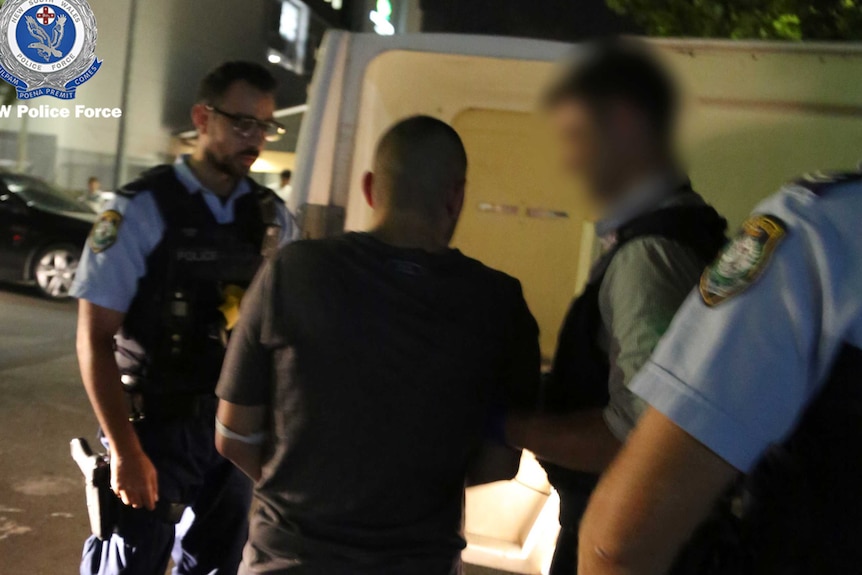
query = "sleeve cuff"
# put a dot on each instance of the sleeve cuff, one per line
(82, 292)
(226, 392)
(699, 417)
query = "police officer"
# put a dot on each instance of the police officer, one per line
(159, 287)
(616, 111)
(760, 375)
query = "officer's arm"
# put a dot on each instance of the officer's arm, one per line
(663, 484)
(240, 436)
(641, 292)
(579, 441)
(133, 476)
(95, 342)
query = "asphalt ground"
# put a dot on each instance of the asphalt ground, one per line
(43, 516)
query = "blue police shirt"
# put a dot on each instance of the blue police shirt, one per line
(746, 355)
(110, 277)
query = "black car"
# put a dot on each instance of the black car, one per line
(42, 233)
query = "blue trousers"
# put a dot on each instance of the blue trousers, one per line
(210, 539)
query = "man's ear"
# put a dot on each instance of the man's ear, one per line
(455, 203)
(368, 188)
(200, 118)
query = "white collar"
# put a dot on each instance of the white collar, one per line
(191, 182)
(642, 198)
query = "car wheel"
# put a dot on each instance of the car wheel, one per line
(54, 270)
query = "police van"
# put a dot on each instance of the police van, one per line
(756, 115)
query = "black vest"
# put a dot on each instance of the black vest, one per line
(800, 511)
(581, 369)
(173, 337)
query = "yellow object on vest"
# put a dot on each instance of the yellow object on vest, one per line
(232, 296)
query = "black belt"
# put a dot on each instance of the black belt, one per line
(170, 407)
(145, 404)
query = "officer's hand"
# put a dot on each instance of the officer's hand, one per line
(134, 479)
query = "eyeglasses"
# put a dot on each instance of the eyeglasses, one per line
(245, 126)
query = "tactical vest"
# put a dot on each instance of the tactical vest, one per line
(800, 511)
(173, 338)
(581, 369)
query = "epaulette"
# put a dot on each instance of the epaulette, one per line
(820, 182)
(146, 181)
(126, 192)
(263, 192)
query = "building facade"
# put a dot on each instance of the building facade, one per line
(155, 51)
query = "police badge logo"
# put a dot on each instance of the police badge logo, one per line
(105, 231)
(48, 47)
(743, 260)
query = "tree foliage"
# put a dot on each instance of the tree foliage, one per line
(746, 19)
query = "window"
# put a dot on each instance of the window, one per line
(293, 36)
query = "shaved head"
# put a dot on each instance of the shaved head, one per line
(418, 163)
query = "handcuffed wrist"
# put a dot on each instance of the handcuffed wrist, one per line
(253, 439)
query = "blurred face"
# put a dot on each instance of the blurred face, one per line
(596, 144)
(232, 131)
(94, 186)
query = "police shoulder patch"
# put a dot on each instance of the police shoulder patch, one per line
(105, 231)
(743, 259)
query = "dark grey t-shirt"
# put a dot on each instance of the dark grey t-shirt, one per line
(380, 366)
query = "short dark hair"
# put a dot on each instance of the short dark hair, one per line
(218, 81)
(617, 69)
(92, 179)
(416, 161)
(287, 174)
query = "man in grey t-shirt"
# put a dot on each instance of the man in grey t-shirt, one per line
(364, 375)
